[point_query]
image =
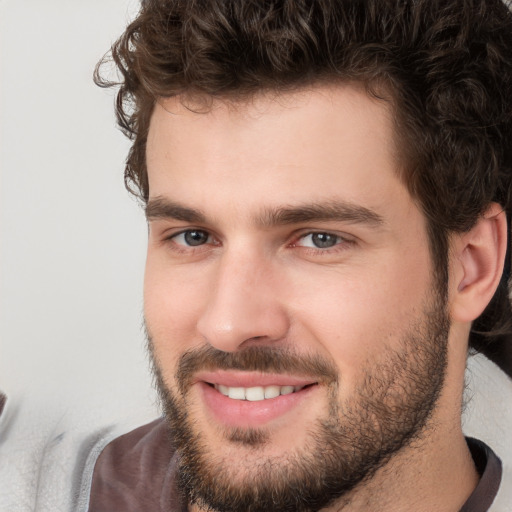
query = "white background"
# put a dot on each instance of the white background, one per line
(72, 239)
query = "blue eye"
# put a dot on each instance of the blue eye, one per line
(320, 240)
(192, 238)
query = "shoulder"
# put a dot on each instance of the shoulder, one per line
(136, 471)
(48, 450)
(488, 416)
(142, 453)
(43, 451)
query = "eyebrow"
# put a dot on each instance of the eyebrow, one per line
(161, 208)
(321, 212)
(334, 210)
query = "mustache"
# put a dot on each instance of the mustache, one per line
(264, 359)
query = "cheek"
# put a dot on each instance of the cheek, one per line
(353, 318)
(171, 308)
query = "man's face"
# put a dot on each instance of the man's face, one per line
(297, 334)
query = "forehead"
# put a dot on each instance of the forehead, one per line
(320, 113)
(315, 144)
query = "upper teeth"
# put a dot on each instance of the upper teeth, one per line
(256, 393)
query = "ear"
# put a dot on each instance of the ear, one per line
(477, 258)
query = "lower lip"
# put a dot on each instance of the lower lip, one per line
(244, 413)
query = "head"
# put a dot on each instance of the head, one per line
(314, 174)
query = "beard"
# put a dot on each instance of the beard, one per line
(357, 436)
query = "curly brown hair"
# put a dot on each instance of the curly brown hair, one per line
(444, 65)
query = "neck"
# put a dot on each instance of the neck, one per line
(435, 472)
(421, 477)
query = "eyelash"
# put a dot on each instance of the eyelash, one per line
(341, 242)
(184, 248)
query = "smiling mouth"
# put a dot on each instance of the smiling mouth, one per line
(257, 393)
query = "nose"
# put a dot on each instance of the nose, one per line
(243, 305)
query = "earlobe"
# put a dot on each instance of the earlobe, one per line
(478, 257)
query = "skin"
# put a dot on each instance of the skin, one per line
(255, 283)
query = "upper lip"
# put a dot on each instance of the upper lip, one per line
(242, 379)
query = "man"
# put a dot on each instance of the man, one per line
(325, 185)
